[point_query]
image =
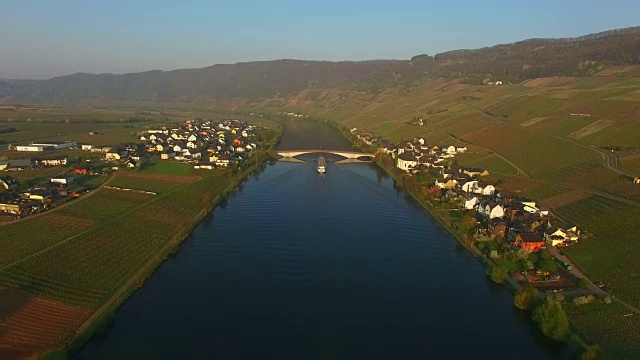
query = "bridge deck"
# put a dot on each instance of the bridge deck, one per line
(346, 154)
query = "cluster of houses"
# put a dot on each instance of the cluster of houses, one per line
(207, 144)
(518, 221)
(417, 155)
(19, 203)
(501, 215)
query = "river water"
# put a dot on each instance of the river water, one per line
(298, 265)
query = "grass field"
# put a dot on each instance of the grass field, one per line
(168, 168)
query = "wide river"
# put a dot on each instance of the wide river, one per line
(298, 265)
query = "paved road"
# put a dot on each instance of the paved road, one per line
(592, 287)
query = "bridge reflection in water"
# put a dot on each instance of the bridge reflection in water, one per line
(350, 156)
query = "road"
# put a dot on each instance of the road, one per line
(594, 289)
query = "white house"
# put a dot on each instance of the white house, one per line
(64, 180)
(54, 162)
(489, 190)
(462, 149)
(496, 212)
(470, 186)
(159, 147)
(240, 149)
(451, 150)
(86, 147)
(191, 145)
(406, 161)
(192, 138)
(471, 203)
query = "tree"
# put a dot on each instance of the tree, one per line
(525, 297)
(547, 265)
(552, 319)
(499, 274)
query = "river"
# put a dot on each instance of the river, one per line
(298, 265)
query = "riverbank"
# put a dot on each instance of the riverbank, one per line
(573, 340)
(200, 198)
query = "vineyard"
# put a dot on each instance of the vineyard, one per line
(148, 182)
(611, 255)
(74, 259)
(25, 332)
(610, 326)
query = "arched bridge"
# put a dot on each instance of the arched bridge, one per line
(346, 154)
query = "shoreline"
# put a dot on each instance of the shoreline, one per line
(101, 318)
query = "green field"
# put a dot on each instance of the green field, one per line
(168, 168)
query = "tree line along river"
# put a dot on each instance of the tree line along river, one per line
(299, 265)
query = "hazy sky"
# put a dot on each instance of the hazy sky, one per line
(42, 39)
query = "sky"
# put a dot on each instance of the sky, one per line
(44, 39)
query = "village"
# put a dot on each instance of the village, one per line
(515, 233)
(206, 145)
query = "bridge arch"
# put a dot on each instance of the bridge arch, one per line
(345, 154)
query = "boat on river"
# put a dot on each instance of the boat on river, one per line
(322, 165)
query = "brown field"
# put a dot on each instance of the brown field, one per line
(565, 199)
(38, 325)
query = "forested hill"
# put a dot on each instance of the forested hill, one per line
(582, 56)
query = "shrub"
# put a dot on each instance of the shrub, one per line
(525, 298)
(583, 300)
(499, 274)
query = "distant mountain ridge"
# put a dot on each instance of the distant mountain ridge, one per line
(580, 56)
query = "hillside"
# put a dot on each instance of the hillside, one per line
(583, 56)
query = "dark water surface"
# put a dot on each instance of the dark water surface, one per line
(298, 265)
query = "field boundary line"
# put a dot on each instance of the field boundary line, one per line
(64, 241)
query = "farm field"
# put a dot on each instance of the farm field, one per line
(611, 255)
(168, 168)
(491, 162)
(609, 326)
(149, 182)
(64, 264)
